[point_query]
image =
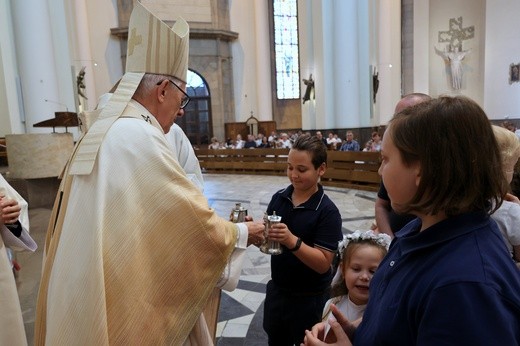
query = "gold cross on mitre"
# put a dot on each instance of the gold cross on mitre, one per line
(134, 40)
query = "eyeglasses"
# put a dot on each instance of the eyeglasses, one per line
(185, 100)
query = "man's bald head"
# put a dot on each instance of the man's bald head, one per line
(411, 100)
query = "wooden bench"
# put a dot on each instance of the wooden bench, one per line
(3, 152)
(243, 161)
(353, 169)
(356, 170)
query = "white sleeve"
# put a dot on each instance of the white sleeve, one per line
(231, 274)
(513, 224)
(23, 243)
(185, 155)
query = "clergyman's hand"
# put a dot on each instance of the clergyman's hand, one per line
(9, 210)
(255, 232)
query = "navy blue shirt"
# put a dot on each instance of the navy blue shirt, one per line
(318, 223)
(451, 284)
(250, 144)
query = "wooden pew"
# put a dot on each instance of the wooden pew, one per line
(243, 161)
(353, 169)
(356, 170)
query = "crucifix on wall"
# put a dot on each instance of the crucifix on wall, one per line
(309, 88)
(80, 85)
(456, 34)
(453, 53)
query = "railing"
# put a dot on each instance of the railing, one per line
(357, 170)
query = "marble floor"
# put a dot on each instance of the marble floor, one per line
(240, 316)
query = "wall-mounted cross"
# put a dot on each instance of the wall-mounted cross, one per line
(310, 88)
(456, 34)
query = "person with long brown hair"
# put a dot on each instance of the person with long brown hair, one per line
(448, 277)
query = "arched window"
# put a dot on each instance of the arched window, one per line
(287, 61)
(196, 121)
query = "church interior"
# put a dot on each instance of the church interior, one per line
(309, 65)
(361, 56)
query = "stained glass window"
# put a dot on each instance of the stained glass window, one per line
(287, 63)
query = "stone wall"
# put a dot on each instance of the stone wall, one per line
(210, 51)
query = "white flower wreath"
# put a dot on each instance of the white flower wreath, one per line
(379, 238)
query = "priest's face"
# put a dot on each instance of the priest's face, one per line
(175, 99)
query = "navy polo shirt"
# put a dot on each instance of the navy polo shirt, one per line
(452, 284)
(318, 223)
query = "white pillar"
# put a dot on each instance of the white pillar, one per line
(36, 63)
(421, 46)
(244, 59)
(389, 57)
(325, 75)
(263, 100)
(335, 47)
(347, 47)
(307, 58)
(83, 56)
(11, 117)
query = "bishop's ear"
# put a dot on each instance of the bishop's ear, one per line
(161, 90)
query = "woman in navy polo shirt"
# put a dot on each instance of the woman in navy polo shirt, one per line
(309, 232)
(448, 278)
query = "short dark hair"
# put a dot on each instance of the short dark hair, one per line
(457, 175)
(149, 82)
(314, 146)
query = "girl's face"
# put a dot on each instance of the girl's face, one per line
(401, 181)
(359, 271)
(301, 171)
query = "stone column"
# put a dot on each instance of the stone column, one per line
(263, 63)
(389, 57)
(84, 54)
(36, 63)
(350, 61)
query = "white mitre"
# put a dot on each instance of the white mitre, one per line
(153, 47)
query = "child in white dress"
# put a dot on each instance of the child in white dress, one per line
(360, 254)
(507, 216)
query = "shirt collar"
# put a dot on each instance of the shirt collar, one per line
(312, 203)
(411, 239)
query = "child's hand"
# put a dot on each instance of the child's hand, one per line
(315, 334)
(9, 210)
(348, 326)
(280, 233)
(312, 337)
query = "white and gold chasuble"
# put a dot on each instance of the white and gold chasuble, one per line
(133, 249)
